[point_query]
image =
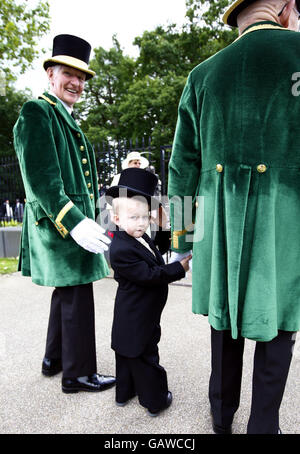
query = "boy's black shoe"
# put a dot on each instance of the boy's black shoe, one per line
(221, 430)
(51, 367)
(168, 403)
(125, 402)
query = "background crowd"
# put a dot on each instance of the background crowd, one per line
(11, 212)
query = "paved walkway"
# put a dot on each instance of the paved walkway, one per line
(33, 404)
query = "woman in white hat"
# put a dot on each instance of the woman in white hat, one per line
(133, 159)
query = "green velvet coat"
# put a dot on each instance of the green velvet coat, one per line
(237, 154)
(59, 174)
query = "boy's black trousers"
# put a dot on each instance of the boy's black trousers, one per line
(142, 376)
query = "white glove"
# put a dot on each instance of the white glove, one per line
(89, 235)
(176, 257)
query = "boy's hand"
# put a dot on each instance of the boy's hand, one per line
(185, 262)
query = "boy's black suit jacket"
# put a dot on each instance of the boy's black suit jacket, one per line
(143, 280)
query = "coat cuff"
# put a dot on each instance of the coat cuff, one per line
(182, 240)
(67, 218)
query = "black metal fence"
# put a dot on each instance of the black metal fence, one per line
(108, 158)
(11, 189)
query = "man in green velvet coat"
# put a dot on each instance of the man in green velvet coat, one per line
(62, 246)
(236, 154)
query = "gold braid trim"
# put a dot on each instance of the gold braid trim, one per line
(178, 233)
(48, 100)
(261, 27)
(62, 230)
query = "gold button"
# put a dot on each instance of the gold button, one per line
(87, 173)
(78, 134)
(92, 196)
(89, 185)
(50, 216)
(81, 148)
(219, 168)
(196, 204)
(84, 161)
(36, 223)
(261, 168)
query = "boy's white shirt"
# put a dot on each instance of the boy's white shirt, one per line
(144, 243)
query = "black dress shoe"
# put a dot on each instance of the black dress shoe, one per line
(92, 383)
(51, 367)
(154, 413)
(221, 430)
(122, 404)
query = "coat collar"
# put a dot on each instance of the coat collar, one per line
(154, 248)
(263, 25)
(59, 108)
(157, 258)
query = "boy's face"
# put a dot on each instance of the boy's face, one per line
(133, 217)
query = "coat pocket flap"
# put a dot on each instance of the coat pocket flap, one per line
(39, 213)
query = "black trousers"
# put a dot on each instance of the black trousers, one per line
(271, 366)
(71, 330)
(142, 376)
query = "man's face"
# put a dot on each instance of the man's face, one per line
(133, 217)
(66, 83)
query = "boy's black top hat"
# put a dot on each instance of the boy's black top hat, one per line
(71, 51)
(135, 182)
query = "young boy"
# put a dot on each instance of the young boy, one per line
(143, 280)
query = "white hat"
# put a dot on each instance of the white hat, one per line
(132, 156)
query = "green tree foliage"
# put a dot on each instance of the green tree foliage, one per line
(101, 100)
(10, 106)
(20, 30)
(10, 177)
(21, 27)
(135, 99)
(214, 35)
(210, 12)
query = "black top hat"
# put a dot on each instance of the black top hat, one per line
(135, 182)
(71, 51)
(230, 16)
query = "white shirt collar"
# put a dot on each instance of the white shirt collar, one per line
(144, 243)
(66, 106)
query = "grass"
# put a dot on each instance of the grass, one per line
(8, 265)
(10, 223)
